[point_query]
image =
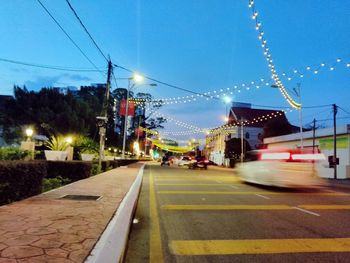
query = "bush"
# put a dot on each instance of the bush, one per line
(13, 153)
(72, 170)
(20, 180)
(52, 183)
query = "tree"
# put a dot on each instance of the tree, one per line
(277, 126)
(49, 111)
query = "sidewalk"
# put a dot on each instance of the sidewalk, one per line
(47, 228)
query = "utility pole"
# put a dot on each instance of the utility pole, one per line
(242, 142)
(335, 110)
(102, 120)
(313, 135)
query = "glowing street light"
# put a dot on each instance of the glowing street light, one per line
(29, 133)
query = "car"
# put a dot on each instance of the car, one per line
(184, 161)
(199, 162)
(289, 168)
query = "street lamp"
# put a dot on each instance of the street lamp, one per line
(136, 78)
(29, 133)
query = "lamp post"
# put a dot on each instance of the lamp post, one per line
(136, 78)
(29, 134)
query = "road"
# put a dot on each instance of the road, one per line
(211, 216)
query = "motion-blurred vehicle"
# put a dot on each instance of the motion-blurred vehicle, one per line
(184, 161)
(165, 161)
(199, 162)
(291, 168)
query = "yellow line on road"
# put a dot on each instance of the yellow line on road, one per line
(226, 207)
(259, 246)
(156, 252)
(325, 207)
(248, 193)
(164, 184)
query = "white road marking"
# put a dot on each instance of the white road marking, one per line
(232, 186)
(262, 196)
(203, 199)
(306, 211)
(218, 181)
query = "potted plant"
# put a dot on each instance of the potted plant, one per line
(88, 148)
(58, 146)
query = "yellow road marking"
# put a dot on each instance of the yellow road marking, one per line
(259, 246)
(156, 252)
(248, 193)
(162, 184)
(226, 207)
(325, 207)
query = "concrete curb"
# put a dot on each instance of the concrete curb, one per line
(112, 243)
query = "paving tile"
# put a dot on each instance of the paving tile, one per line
(56, 252)
(21, 240)
(21, 252)
(47, 243)
(41, 231)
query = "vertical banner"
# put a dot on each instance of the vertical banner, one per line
(122, 108)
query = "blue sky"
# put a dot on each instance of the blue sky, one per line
(197, 45)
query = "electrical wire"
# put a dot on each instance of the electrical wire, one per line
(169, 85)
(47, 66)
(85, 29)
(67, 35)
(344, 110)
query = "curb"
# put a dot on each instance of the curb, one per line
(111, 245)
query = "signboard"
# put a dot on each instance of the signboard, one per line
(131, 108)
(327, 143)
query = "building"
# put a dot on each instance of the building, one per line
(224, 143)
(323, 141)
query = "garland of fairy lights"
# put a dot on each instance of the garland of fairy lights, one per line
(228, 128)
(252, 85)
(268, 56)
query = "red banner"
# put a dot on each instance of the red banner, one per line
(131, 108)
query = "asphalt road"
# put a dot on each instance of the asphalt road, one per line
(210, 216)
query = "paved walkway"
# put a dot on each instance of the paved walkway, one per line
(47, 228)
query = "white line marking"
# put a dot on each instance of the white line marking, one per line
(232, 186)
(305, 211)
(263, 196)
(218, 181)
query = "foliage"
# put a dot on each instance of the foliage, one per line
(57, 143)
(86, 145)
(50, 112)
(13, 153)
(52, 183)
(72, 170)
(277, 127)
(20, 179)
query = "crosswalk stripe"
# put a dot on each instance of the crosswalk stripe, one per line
(258, 246)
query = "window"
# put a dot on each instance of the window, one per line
(247, 135)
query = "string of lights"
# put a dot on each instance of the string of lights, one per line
(268, 56)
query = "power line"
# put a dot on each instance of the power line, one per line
(343, 110)
(85, 29)
(64, 31)
(48, 66)
(169, 85)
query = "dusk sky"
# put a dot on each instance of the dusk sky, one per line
(202, 46)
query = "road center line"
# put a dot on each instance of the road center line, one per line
(265, 197)
(305, 211)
